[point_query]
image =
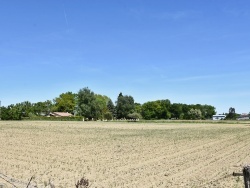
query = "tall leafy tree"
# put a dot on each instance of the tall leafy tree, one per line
(39, 108)
(207, 111)
(165, 109)
(12, 112)
(5, 113)
(149, 110)
(66, 102)
(138, 108)
(194, 114)
(232, 114)
(101, 105)
(26, 108)
(176, 111)
(124, 106)
(111, 108)
(159, 109)
(87, 104)
(42, 108)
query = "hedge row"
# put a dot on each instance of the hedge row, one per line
(42, 118)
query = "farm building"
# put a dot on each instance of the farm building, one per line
(219, 117)
(244, 116)
(60, 114)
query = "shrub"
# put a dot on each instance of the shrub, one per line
(43, 118)
(134, 116)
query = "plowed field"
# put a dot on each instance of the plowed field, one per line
(112, 154)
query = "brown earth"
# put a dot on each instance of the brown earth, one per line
(113, 154)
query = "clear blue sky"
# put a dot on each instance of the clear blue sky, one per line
(195, 51)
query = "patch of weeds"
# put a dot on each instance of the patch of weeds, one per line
(83, 183)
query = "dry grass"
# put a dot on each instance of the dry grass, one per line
(124, 154)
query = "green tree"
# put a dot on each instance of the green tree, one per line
(12, 112)
(194, 114)
(108, 116)
(165, 109)
(208, 111)
(42, 108)
(185, 110)
(124, 106)
(66, 102)
(231, 115)
(134, 116)
(87, 105)
(159, 109)
(26, 108)
(138, 108)
(149, 110)
(5, 113)
(176, 111)
(101, 105)
(111, 108)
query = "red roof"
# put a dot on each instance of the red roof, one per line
(61, 114)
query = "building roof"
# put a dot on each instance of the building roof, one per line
(61, 114)
(244, 115)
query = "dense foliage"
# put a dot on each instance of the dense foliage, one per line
(124, 106)
(90, 106)
(66, 102)
(231, 114)
(163, 109)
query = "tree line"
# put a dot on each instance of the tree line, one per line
(93, 106)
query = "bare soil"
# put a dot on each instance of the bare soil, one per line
(124, 154)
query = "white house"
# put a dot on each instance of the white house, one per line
(219, 117)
